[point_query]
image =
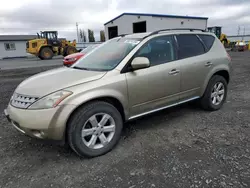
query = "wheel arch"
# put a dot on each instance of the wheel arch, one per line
(109, 99)
(221, 72)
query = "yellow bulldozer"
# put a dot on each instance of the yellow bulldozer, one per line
(223, 38)
(48, 45)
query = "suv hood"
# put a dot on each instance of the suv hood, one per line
(53, 80)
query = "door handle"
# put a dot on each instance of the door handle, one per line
(174, 72)
(208, 64)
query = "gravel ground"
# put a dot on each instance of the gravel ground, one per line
(178, 147)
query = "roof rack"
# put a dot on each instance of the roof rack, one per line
(122, 35)
(184, 29)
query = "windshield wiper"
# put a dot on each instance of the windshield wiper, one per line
(83, 68)
(80, 68)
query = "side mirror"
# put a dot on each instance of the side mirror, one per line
(140, 63)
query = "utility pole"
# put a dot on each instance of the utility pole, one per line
(238, 30)
(243, 33)
(77, 32)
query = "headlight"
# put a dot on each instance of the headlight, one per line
(50, 101)
(72, 59)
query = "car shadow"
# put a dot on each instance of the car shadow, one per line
(157, 119)
(56, 151)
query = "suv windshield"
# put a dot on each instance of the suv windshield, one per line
(108, 55)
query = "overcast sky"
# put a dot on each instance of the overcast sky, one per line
(31, 16)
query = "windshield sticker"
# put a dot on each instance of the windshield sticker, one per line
(134, 42)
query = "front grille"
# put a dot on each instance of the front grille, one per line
(22, 101)
(27, 44)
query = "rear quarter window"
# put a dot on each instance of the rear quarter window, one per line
(208, 40)
(189, 45)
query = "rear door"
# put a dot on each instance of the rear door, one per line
(194, 65)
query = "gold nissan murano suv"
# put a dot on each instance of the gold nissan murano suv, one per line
(86, 104)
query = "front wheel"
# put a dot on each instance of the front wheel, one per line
(46, 53)
(215, 94)
(94, 129)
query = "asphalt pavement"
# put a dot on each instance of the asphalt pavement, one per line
(17, 63)
(179, 147)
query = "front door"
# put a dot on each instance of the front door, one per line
(157, 86)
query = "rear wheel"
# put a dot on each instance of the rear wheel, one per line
(94, 129)
(215, 94)
(69, 50)
(46, 53)
(40, 57)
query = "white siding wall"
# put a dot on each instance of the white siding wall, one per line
(20, 49)
(125, 23)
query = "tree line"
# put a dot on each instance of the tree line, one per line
(90, 34)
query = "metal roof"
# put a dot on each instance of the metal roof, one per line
(17, 37)
(157, 15)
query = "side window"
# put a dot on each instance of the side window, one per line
(208, 40)
(10, 46)
(50, 36)
(54, 36)
(158, 50)
(189, 46)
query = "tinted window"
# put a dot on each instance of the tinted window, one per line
(158, 50)
(189, 46)
(208, 40)
(108, 55)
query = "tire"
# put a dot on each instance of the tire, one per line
(69, 50)
(81, 119)
(46, 53)
(207, 100)
(65, 51)
(40, 57)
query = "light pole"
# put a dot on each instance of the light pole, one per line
(77, 32)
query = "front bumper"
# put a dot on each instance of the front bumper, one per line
(43, 124)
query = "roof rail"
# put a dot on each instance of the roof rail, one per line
(122, 35)
(184, 29)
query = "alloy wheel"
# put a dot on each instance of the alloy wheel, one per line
(217, 94)
(98, 131)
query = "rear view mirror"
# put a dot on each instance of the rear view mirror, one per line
(140, 63)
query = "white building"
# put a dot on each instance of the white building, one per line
(14, 45)
(127, 23)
